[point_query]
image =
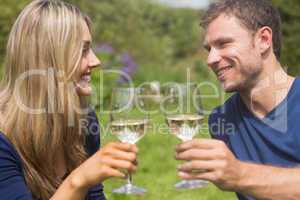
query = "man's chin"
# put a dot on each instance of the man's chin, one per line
(230, 91)
(229, 88)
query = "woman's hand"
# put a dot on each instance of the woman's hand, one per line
(112, 160)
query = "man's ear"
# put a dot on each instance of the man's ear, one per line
(264, 39)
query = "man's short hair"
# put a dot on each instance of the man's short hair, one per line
(253, 14)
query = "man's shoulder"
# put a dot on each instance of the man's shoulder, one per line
(225, 110)
(296, 86)
(222, 119)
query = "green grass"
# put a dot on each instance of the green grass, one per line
(157, 166)
(157, 169)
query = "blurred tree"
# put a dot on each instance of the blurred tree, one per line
(153, 34)
(290, 14)
(9, 9)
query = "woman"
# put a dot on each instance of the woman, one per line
(46, 152)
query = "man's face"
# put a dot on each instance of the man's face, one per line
(232, 53)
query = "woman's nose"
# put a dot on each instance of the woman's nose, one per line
(93, 60)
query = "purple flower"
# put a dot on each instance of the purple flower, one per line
(129, 67)
(104, 48)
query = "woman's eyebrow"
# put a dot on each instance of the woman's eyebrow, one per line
(86, 43)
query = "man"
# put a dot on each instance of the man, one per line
(256, 147)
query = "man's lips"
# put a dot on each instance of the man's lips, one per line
(222, 71)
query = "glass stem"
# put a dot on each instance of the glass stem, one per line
(129, 179)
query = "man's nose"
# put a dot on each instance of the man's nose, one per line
(213, 57)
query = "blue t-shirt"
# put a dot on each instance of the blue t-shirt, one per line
(12, 181)
(273, 140)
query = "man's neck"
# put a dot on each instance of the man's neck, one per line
(269, 90)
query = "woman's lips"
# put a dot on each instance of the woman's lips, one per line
(86, 78)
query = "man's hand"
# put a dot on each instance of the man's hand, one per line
(210, 160)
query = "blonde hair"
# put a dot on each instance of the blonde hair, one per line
(38, 100)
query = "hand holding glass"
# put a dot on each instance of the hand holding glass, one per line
(128, 123)
(184, 118)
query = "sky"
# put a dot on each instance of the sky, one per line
(186, 3)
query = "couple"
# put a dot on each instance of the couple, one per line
(257, 159)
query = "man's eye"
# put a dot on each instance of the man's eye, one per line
(207, 48)
(223, 44)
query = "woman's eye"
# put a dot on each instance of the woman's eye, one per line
(85, 51)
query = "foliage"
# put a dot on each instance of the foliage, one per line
(162, 42)
(150, 32)
(157, 171)
(117, 68)
(9, 9)
(155, 36)
(290, 15)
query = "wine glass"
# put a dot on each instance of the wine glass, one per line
(184, 116)
(128, 123)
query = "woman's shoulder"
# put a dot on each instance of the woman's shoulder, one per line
(12, 182)
(7, 146)
(5, 143)
(8, 153)
(92, 132)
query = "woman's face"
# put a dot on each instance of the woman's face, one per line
(88, 62)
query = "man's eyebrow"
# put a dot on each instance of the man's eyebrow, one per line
(222, 40)
(218, 41)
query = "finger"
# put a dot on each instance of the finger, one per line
(122, 155)
(196, 166)
(208, 176)
(198, 143)
(120, 164)
(196, 154)
(111, 172)
(124, 146)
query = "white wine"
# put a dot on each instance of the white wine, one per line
(184, 126)
(129, 131)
